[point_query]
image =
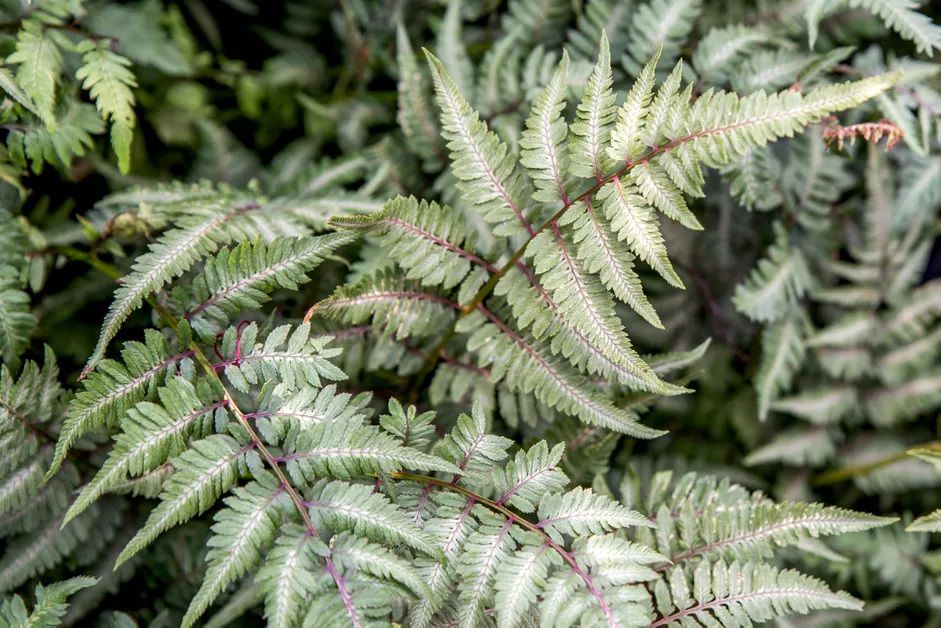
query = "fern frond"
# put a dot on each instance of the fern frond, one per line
(16, 320)
(204, 472)
(242, 533)
(738, 594)
(173, 253)
(598, 247)
(528, 368)
(114, 387)
(721, 46)
(523, 481)
(152, 434)
(752, 180)
(926, 523)
(703, 518)
(292, 358)
(483, 551)
(796, 447)
(892, 404)
(450, 43)
(518, 582)
(28, 555)
(415, 115)
(591, 129)
(903, 17)
(432, 243)
(33, 146)
(39, 67)
(108, 78)
(485, 168)
(770, 69)
(472, 450)
(626, 138)
(776, 283)
(583, 300)
(543, 150)
(636, 223)
(357, 508)
(726, 126)
(240, 279)
(349, 450)
(286, 577)
(581, 512)
(354, 553)
(660, 24)
(394, 306)
(49, 607)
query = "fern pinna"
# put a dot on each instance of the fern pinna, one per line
(504, 304)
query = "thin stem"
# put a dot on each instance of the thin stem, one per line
(836, 476)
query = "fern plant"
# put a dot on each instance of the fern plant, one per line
(587, 322)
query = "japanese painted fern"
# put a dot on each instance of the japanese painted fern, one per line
(330, 516)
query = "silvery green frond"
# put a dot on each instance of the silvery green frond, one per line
(348, 450)
(518, 582)
(528, 367)
(114, 387)
(415, 114)
(592, 126)
(433, 244)
(484, 550)
(472, 450)
(704, 518)
(110, 82)
(739, 593)
(204, 472)
(583, 299)
(581, 512)
(16, 320)
(486, 171)
(355, 507)
(406, 424)
(822, 406)
(391, 304)
(287, 578)
(152, 433)
(811, 446)
(926, 523)
(522, 481)
(663, 24)
(776, 283)
(241, 535)
(635, 222)
(242, 278)
(292, 358)
(723, 46)
(598, 247)
(544, 153)
(902, 16)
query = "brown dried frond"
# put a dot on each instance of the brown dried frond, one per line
(869, 131)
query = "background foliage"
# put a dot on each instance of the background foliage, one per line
(251, 173)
